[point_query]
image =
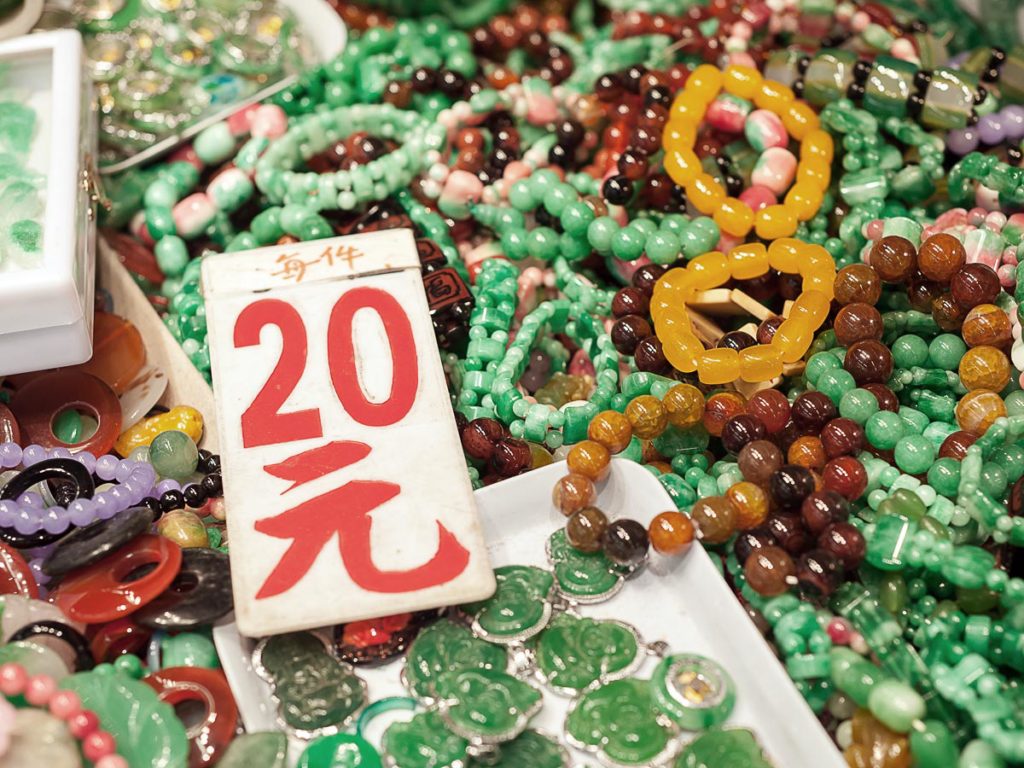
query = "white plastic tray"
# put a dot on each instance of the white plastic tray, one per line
(682, 601)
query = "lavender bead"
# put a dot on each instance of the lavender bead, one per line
(8, 511)
(145, 474)
(990, 129)
(55, 520)
(962, 141)
(124, 470)
(36, 566)
(33, 455)
(167, 485)
(1013, 122)
(61, 453)
(121, 496)
(31, 499)
(106, 467)
(82, 512)
(10, 455)
(88, 460)
(26, 523)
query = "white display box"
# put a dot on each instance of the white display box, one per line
(46, 312)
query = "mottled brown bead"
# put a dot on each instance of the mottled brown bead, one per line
(845, 542)
(894, 259)
(758, 461)
(940, 257)
(974, 284)
(818, 573)
(647, 276)
(572, 493)
(869, 362)
(770, 571)
(788, 529)
(822, 508)
(480, 436)
(842, 437)
(988, 325)
(948, 315)
(511, 457)
(813, 410)
(586, 528)
(922, 293)
(625, 542)
(715, 518)
(956, 444)
(766, 330)
(858, 322)
(630, 300)
(857, 284)
(649, 356)
(741, 430)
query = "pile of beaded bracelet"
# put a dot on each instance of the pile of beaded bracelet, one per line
(42, 691)
(735, 217)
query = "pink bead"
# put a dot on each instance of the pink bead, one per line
(84, 723)
(580, 365)
(193, 214)
(13, 679)
(727, 242)
(758, 197)
(874, 229)
(541, 108)
(775, 169)
(1016, 220)
(986, 198)
(726, 114)
(40, 689)
(239, 123)
(515, 171)
(860, 21)
(112, 761)
(839, 631)
(186, 155)
(98, 745)
(65, 704)
(903, 49)
(463, 187)
(269, 121)
(1010, 256)
(742, 59)
(1007, 276)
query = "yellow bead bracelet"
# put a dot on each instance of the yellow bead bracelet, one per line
(733, 216)
(755, 364)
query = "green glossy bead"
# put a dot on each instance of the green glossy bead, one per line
(858, 405)
(944, 476)
(933, 746)
(628, 244)
(818, 364)
(896, 705)
(171, 255)
(173, 454)
(914, 454)
(915, 421)
(1011, 459)
(946, 351)
(520, 196)
(215, 144)
(905, 503)
(836, 383)
(909, 351)
(993, 480)
(884, 429)
(975, 602)
(663, 247)
(188, 649)
(576, 218)
(978, 754)
(267, 749)
(160, 222)
(601, 232)
(853, 675)
(67, 426)
(892, 592)
(1015, 403)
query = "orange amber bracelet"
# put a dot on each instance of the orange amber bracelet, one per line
(733, 216)
(755, 364)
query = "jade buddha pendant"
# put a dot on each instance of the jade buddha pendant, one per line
(317, 694)
(520, 608)
(447, 647)
(573, 653)
(424, 742)
(619, 723)
(486, 706)
(695, 692)
(727, 748)
(582, 577)
(531, 749)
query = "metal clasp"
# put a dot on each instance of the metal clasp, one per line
(92, 184)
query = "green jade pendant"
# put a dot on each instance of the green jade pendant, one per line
(317, 694)
(530, 750)
(267, 750)
(520, 608)
(574, 654)
(619, 723)
(424, 742)
(486, 706)
(727, 748)
(582, 577)
(447, 647)
(694, 691)
(341, 750)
